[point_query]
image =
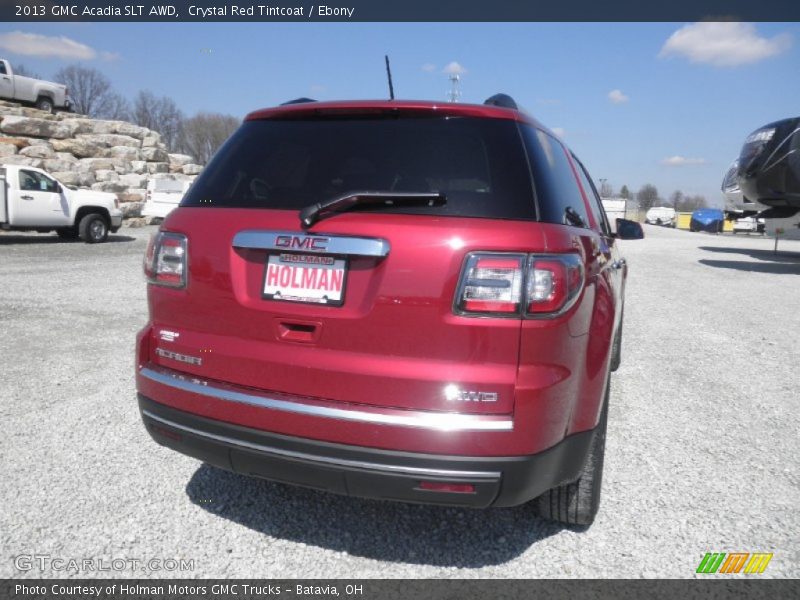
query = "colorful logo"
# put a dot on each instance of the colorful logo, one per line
(734, 562)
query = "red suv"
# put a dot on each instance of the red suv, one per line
(401, 300)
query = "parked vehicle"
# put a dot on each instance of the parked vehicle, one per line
(707, 219)
(662, 215)
(162, 196)
(615, 208)
(768, 171)
(749, 225)
(369, 298)
(33, 200)
(44, 95)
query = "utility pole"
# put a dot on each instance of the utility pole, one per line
(455, 88)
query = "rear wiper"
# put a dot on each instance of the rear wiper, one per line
(311, 214)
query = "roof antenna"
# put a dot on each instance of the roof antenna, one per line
(389, 75)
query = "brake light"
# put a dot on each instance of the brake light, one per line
(536, 285)
(165, 259)
(554, 283)
(492, 283)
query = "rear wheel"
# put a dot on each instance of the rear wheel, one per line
(45, 104)
(93, 228)
(577, 503)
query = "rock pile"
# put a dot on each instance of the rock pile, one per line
(110, 156)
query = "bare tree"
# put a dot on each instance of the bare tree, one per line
(647, 196)
(204, 133)
(606, 190)
(161, 115)
(676, 199)
(89, 89)
(690, 203)
(25, 72)
(117, 108)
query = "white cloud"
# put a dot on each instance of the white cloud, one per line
(617, 97)
(428, 67)
(723, 44)
(682, 161)
(42, 46)
(559, 131)
(109, 56)
(454, 69)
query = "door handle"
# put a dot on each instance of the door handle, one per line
(27, 197)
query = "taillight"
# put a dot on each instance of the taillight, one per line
(513, 285)
(491, 283)
(165, 259)
(554, 283)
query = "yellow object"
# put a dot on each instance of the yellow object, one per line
(728, 226)
(684, 219)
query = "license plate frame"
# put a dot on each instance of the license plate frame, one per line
(318, 262)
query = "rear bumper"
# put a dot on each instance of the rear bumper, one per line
(362, 471)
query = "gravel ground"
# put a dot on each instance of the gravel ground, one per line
(702, 451)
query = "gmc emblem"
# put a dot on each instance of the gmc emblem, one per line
(318, 244)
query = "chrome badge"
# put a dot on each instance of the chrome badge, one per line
(184, 358)
(455, 394)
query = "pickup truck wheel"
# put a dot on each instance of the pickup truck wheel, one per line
(577, 503)
(67, 233)
(93, 228)
(45, 104)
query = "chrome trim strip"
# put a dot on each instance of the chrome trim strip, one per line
(327, 460)
(334, 244)
(397, 418)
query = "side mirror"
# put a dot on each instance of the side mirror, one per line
(629, 230)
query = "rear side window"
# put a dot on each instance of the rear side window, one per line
(479, 164)
(556, 186)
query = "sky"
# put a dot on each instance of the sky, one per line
(663, 103)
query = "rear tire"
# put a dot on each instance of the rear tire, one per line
(93, 228)
(577, 503)
(45, 104)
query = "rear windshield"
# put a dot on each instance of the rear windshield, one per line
(480, 165)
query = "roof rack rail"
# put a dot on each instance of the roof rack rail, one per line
(298, 101)
(502, 100)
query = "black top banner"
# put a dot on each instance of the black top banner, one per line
(401, 10)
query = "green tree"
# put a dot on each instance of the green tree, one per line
(625, 192)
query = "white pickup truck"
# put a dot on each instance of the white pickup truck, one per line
(163, 196)
(44, 95)
(33, 200)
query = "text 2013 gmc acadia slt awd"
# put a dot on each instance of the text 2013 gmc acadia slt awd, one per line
(391, 299)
